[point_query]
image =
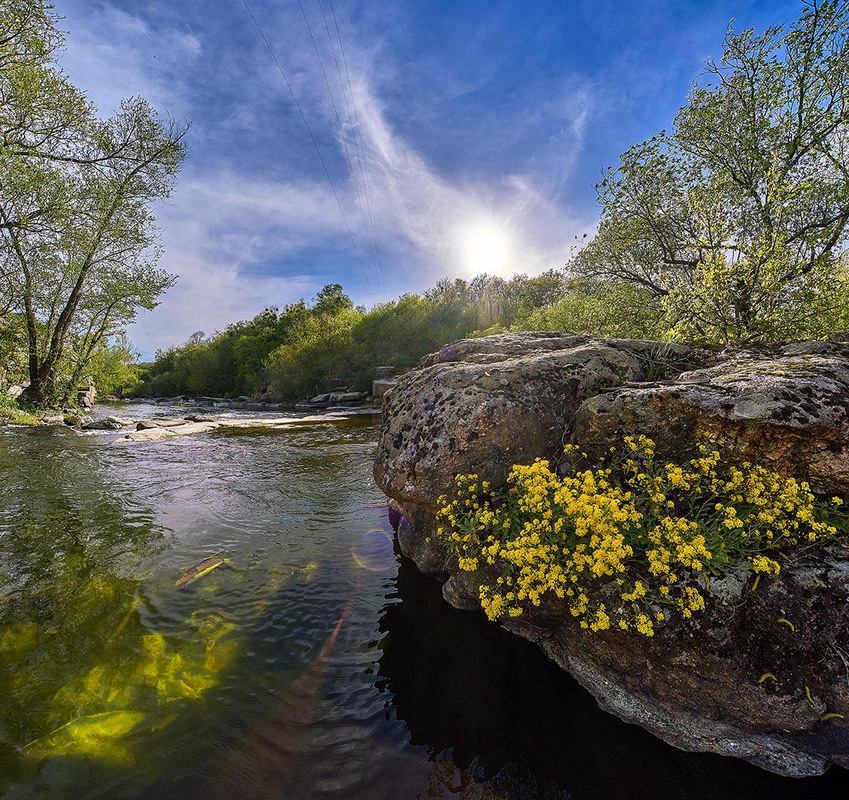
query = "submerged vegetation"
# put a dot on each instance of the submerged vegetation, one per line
(729, 228)
(633, 544)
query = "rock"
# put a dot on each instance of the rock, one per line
(788, 411)
(53, 418)
(74, 419)
(482, 405)
(107, 424)
(85, 397)
(15, 390)
(152, 434)
(347, 397)
(381, 386)
(486, 404)
(162, 422)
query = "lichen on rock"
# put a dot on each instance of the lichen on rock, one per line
(761, 675)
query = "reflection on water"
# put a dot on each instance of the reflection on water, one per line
(306, 664)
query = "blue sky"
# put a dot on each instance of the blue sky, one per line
(458, 136)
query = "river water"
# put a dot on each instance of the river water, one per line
(312, 663)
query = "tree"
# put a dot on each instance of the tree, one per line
(114, 367)
(737, 218)
(77, 237)
(599, 308)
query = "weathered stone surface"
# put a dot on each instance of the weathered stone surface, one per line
(381, 386)
(152, 434)
(74, 418)
(486, 404)
(483, 405)
(108, 424)
(161, 422)
(85, 397)
(347, 397)
(788, 410)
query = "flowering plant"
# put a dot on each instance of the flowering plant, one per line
(630, 544)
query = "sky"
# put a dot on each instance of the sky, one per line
(385, 145)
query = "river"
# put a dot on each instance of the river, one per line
(313, 662)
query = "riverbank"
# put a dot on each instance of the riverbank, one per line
(733, 657)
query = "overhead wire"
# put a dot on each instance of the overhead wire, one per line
(312, 138)
(354, 124)
(361, 201)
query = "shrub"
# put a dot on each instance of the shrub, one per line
(632, 544)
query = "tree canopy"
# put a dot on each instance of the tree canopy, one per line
(736, 219)
(78, 238)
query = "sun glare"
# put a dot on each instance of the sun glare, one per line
(485, 249)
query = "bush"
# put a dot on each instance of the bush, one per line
(630, 545)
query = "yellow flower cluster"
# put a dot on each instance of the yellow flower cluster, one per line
(639, 534)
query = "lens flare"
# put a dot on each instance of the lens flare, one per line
(373, 551)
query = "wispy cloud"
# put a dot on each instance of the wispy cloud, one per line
(254, 220)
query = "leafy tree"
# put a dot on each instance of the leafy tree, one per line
(77, 236)
(735, 220)
(600, 308)
(114, 367)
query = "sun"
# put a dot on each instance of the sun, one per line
(485, 249)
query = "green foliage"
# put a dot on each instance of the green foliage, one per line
(632, 545)
(10, 411)
(316, 354)
(113, 367)
(77, 234)
(308, 348)
(735, 220)
(601, 308)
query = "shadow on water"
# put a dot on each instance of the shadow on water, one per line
(509, 720)
(312, 668)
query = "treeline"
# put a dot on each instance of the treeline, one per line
(730, 228)
(307, 348)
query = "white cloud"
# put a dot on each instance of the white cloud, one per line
(112, 54)
(221, 231)
(432, 214)
(240, 243)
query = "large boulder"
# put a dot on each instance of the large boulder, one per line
(787, 409)
(486, 404)
(760, 675)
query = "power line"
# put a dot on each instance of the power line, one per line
(356, 129)
(312, 138)
(355, 134)
(360, 199)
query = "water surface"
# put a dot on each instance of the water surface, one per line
(313, 663)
